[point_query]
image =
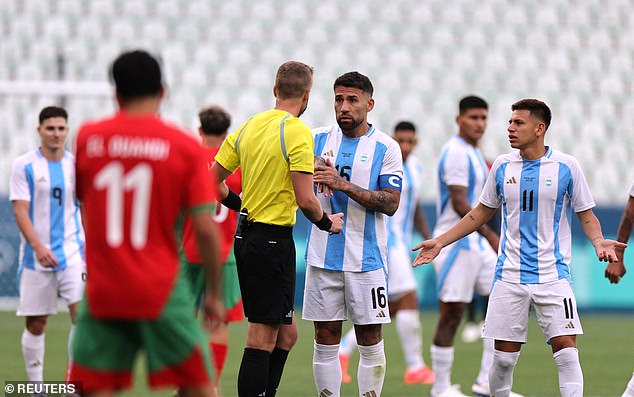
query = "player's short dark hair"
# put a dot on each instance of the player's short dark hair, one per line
(214, 120)
(537, 108)
(472, 102)
(405, 126)
(52, 111)
(355, 80)
(136, 74)
(293, 79)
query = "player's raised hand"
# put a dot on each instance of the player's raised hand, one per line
(605, 250)
(337, 222)
(429, 249)
(321, 188)
(214, 312)
(329, 176)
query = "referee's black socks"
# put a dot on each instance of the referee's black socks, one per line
(276, 367)
(254, 373)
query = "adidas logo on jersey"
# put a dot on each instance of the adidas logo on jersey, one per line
(325, 393)
(512, 181)
(381, 314)
(329, 153)
(570, 325)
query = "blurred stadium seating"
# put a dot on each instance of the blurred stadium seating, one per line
(577, 55)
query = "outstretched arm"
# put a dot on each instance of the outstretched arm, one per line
(310, 206)
(592, 228)
(460, 204)
(614, 271)
(468, 224)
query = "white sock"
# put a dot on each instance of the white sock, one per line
(348, 342)
(326, 370)
(410, 332)
(441, 361)
(71, 335)
(570, 375)
(487, 361)
(501, 373)
(371, 372)
(629, 391)
(33, 353)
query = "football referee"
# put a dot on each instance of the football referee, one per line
(275, 151)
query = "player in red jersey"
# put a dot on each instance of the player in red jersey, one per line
(136, 177)
(214, 124)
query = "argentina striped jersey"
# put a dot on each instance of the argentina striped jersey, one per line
(49, 187)
(538, 198)
(372, 161)
(401, 225)
(460, 164)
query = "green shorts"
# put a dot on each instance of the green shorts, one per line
(104, 350)
(230, 283)
(195, 276)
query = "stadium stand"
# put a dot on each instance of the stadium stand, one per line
(422, 57)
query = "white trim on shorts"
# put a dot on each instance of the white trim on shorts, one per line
(331, 295)
(509, 306)
(39, 290)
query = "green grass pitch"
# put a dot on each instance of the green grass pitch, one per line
(606, 351)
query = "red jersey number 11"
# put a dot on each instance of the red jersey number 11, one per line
(113, 179)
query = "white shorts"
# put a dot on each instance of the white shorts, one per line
(400, 278)
(331, 295)
(460, 271)
(509, 305)
(39, 290)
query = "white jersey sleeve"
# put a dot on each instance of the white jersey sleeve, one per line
(18, 184)
(491, 193)
(392, 162)
(456, 169)
(581, 199)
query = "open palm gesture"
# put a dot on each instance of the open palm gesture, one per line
(429, 249)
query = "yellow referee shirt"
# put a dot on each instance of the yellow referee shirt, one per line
(267, 147)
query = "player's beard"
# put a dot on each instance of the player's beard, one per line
(349, 125)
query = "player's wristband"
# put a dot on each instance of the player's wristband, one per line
(232, 201)
(324, 223)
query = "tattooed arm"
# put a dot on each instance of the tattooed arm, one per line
(592, 228)
(468, 224)
(384, 200)
(460, 204)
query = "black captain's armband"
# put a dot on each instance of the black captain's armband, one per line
(232, 201)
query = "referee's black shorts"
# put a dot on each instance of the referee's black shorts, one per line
(265, 258)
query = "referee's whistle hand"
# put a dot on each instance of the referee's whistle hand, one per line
(337, 222)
